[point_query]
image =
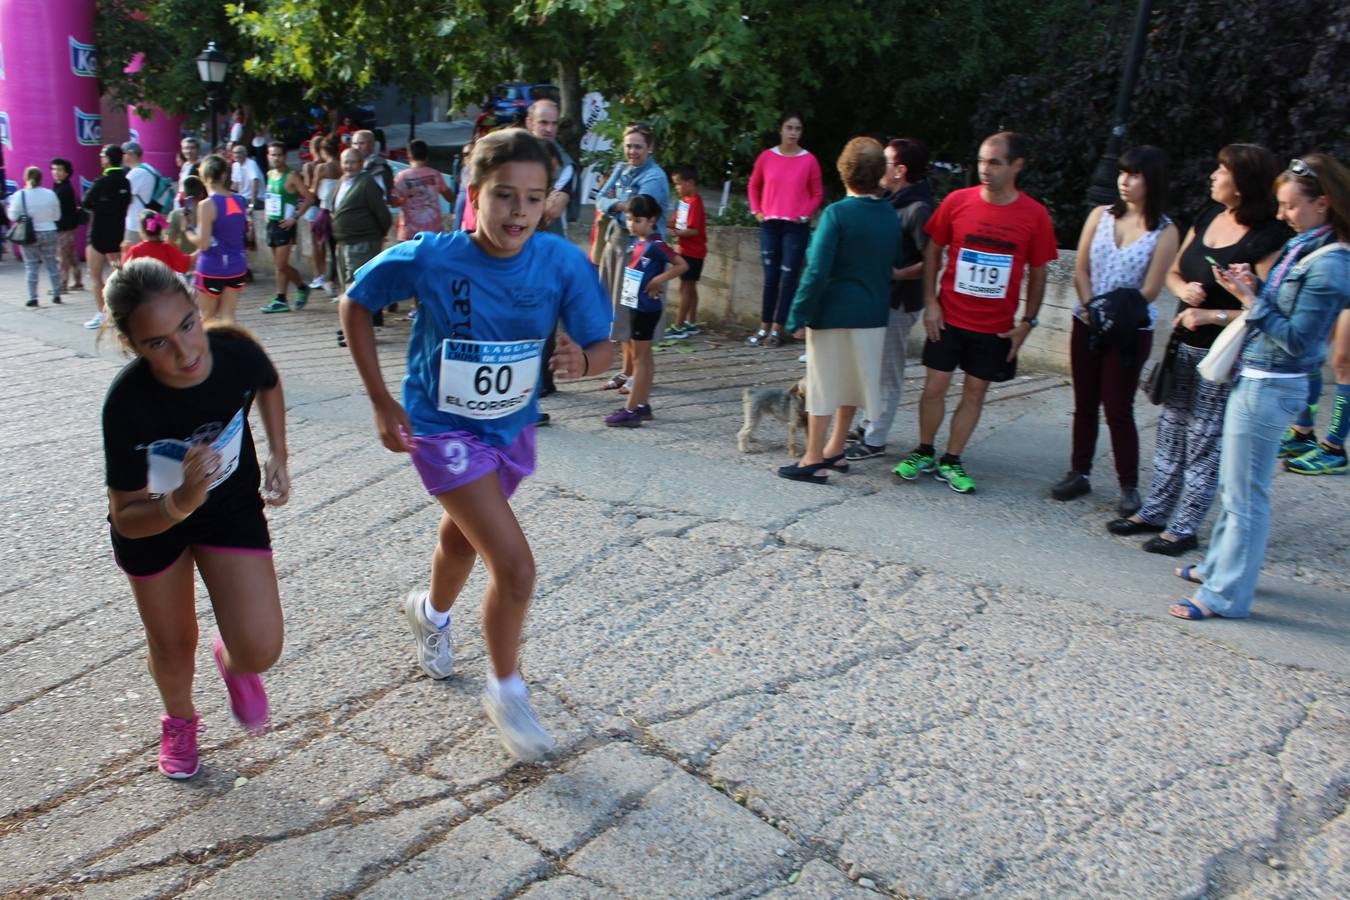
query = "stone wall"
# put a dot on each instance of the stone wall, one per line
(729, 297)
(729, 293)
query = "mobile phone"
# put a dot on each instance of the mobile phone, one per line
(1214, 262)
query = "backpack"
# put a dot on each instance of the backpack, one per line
(162, 193)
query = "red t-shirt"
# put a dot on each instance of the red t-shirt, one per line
(691, 209)
(988, 249)
(166, 253)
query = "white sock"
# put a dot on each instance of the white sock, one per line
(435, 616)
(510, 686)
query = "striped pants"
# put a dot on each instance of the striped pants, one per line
(1186, 461)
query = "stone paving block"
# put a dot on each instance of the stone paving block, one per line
(1314, 756)
(566, 887)
(55, 843)
(413, 787)
(820, 881)
(685, 841)
(480, 757)
(701, 733)
(569, 807)
(476, 859)
(422, 714)
(1321, 868)
(800, 764)
(293, 795)
(161, 881)
(331, 861)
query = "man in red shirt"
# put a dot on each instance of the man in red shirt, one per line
(993, 233)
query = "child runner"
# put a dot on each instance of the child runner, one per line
(287, 200)
(690, 225)
(222, 233)
(651, 263)
(183, 492)
(486, 302)
(153, 246)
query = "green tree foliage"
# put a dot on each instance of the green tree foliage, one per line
(170, 34)
(1215, 72)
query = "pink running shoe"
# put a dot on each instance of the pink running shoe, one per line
(248, 700)
(178, 757)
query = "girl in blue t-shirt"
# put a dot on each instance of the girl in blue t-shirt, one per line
(487, 301)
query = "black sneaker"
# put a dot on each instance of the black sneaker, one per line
(863, 450)
(1074, 484)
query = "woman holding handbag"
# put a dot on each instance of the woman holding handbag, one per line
(1126, 245)
(41, 208)
(1239, 227)
(1288, 321)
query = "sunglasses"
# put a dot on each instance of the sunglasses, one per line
(1299, 167)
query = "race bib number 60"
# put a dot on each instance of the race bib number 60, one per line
(984, 275)
(487, 379)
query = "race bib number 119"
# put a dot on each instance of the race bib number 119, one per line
(487, 379)
(984, 275)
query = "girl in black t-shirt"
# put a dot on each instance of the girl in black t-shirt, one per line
(183, 492)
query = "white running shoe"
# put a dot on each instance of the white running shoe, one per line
(317, 282)
(434, 654)
(521, 734)
(95, 322)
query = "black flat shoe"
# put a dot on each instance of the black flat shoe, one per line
(836, 463)
(1129, 526)
(1162, 545)
(1074, 484)
(813, 474)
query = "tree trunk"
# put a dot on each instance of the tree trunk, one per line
(569, 103)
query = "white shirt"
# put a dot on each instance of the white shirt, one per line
(142, 189)
(43, 207)
(344, 186)
(247, 178)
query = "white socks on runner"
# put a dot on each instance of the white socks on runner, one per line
(510, 686)
(435, 616)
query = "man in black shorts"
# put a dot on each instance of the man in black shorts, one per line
(995, 233)
(107, 200)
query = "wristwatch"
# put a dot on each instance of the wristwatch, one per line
(1031, 320)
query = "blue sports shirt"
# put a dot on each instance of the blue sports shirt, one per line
(476, 349)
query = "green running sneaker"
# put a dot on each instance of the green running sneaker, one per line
(914, 465)
(276, 306)
(955, 476)
(1294, 444)
(1319, 461)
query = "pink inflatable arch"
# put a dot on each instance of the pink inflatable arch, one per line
(49, 102)
(159, 135)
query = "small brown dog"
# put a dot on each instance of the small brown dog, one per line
(787, 405)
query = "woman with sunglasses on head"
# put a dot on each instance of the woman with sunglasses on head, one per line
(1289, 318)
(1239, 227)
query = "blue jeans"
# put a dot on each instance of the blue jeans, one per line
(1258, 411)
(782, 248)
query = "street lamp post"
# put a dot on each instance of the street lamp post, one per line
(1103, 187)
(211, 66)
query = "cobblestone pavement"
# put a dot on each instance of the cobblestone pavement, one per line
(760, 688)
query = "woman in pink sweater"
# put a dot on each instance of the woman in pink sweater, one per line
(784, 193)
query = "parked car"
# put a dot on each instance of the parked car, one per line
(509, 101)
